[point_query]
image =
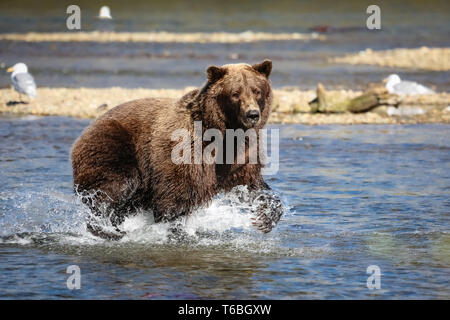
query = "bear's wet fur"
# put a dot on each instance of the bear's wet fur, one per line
(124, 156)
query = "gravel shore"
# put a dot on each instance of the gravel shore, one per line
(434, 59)
(290, 105)
(162, 36)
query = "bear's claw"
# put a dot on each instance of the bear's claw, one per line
(100, 232)
(264, 226)
(268, 212)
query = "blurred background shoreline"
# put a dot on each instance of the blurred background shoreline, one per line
(169, 44)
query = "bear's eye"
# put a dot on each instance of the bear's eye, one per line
(256, 91)
(236, 95)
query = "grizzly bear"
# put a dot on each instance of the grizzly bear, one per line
(122, 161)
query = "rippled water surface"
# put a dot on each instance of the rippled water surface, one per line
(356, 196)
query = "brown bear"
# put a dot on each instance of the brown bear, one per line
(123, 159)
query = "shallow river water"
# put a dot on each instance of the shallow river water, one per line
(355, 195)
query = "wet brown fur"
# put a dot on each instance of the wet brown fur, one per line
(126, 153)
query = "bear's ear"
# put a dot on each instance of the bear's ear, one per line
(215, 73)
(264, 67)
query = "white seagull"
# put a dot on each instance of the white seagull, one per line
(105, 13)
(395, 85)
(22, 81)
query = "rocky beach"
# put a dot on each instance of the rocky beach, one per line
(291, 105)
(424, 58)
(160, 37)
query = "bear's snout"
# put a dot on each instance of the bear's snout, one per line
(253, 116)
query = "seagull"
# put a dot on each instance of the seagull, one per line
(22, 81)
(105, 13)
(395, 85)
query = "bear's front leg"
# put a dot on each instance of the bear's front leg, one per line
(267, 208)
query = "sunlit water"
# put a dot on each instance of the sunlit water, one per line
(355, 196)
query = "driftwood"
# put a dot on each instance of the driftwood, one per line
(374, 96)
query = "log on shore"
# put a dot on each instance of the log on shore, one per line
(375, 96)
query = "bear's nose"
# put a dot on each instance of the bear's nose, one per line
(253, 115)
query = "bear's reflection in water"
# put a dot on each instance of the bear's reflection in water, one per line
(187, 272)
(211, 254)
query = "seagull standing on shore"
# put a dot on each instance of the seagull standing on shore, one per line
(105, 22)
(105, 13)
(22, 81)
(395, 85)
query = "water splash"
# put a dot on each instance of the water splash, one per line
(51, 216)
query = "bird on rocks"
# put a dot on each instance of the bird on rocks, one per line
(105, 13)
(398, 86)
(22, 80)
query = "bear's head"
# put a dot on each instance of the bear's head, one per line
(237, 96)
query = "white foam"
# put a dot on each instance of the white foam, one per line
(54, 216)
(16, 239)
(225, 213)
